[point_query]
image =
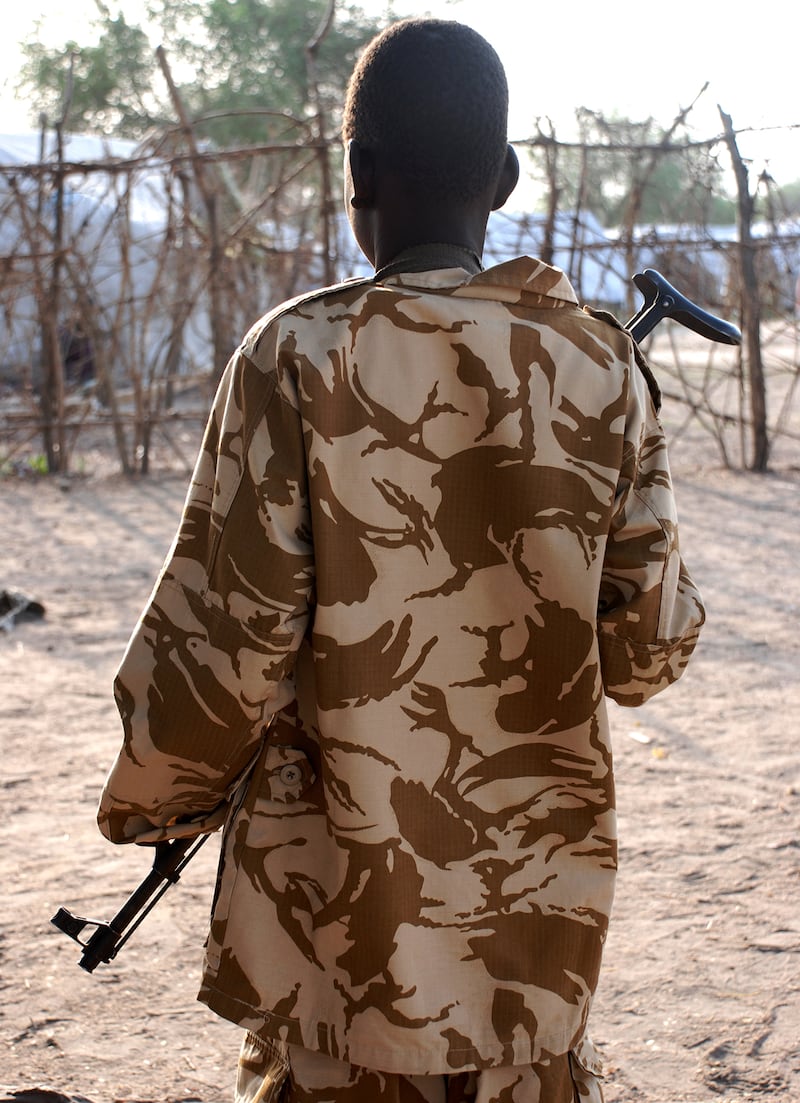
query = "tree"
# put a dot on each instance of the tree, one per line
(618, 162)
(249, 55)
(259, 73)
(109, 85)
(238, 73)
(241, 59)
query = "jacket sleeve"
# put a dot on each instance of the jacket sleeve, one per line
(650, 612)
(211, 658)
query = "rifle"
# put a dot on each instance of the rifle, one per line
(661, 300)
(108, 938)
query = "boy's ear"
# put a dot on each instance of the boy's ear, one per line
(509, 175)
(361, 163)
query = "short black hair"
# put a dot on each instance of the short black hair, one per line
(431, 95)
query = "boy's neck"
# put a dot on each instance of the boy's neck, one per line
(429, 256)
(399, 231)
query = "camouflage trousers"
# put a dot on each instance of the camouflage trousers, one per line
(272, 1072)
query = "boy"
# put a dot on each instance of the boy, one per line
(431, 525)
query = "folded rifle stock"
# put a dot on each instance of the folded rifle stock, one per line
(662, 300)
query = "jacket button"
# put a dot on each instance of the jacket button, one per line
(290, 774)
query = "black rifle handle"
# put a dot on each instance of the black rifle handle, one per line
(108, 938)
(102, 944)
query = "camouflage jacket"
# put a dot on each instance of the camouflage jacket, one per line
(430, 526)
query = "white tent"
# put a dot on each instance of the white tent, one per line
(114, 232)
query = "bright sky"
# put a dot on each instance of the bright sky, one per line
(622, 55)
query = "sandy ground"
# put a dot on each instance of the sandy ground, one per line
(700, 996)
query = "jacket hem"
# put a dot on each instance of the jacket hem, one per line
(408, 1059)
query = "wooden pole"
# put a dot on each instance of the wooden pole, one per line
(751, 303)
(219, 337)
(52, 393)
(326, 199)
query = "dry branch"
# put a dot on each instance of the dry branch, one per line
(242, 229)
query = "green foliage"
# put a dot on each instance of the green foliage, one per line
(618, 171)
(250, 56)
(787, 201)
(106, 87)
(37, 464)
(241, 58)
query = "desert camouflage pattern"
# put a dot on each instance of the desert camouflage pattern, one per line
(431, 526)
(272, 1072)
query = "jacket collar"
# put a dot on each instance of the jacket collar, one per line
(524, 279)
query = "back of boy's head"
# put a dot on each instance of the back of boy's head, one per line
(430, 96)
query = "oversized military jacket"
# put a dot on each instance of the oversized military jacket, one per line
(430, 527)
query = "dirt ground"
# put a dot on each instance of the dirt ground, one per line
(699, 1000)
